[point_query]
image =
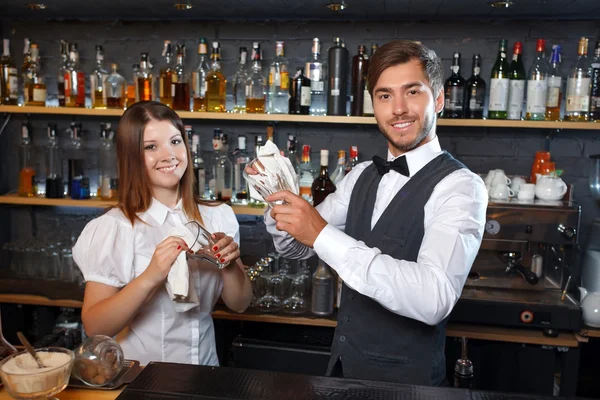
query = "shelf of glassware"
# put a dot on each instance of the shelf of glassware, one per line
(188, 115)
(96, 203)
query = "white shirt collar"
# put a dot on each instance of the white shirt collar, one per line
(418, 157)
(158, 211)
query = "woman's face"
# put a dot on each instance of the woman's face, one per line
(165, 155)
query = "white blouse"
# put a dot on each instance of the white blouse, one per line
(112, 251)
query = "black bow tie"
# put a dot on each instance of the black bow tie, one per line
(399, 165)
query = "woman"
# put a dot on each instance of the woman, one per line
(126, 254)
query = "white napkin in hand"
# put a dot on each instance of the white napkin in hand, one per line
(178, 280)
(275, 163)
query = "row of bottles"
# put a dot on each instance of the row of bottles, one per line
(533, 95)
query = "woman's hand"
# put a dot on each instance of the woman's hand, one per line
(163, 258)
(225, 250)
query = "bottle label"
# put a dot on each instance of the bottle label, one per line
(536, 96)
(335, 86)
(578, 95)
(80, 92)
(285, 80)
(315, 73)
(554, 85)
(13, 83)
(454, 98)
(477, 99)
(498, 94)
(367, 103)
(67, 85)
(515, 98)
(39, 95)
(305, 96)
(317, 86)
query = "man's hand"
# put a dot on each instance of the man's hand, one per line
(297, 217)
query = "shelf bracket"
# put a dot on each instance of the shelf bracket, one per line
(6, 120)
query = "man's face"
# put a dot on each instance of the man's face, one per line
(405, 107)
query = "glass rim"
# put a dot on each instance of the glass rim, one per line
(50, 349)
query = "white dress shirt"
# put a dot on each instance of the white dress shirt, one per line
(112, 251)
(425, 290)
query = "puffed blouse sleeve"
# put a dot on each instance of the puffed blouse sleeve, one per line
(104, 251)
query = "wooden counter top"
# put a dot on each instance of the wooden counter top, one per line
(77, 394)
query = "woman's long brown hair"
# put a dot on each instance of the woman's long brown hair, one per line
(135, 190)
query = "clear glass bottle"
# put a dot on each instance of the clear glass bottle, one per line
(223, 169)
(181, 82)
(293, 154)
(516, 92)
(9, 78)
(315, 71)
(555, 86)
(199, 77)
(114, 88)
(579, 84)
(216, 83)
(165, 80)
(78, 182)
(109, 181)
(256, 84)
(353, 159)
(34, 93)
(198, 165)
(340, 169)
(279, 82)
(537, 85)
(97, 78)
(74, 80)
(454, 89)
(499, 84)
(322, 185)
(144, 81)
(239, 83)
(55, 188)
(475, 91)
(241, 158)
(307, 175)
(27, 182)
(62, 71)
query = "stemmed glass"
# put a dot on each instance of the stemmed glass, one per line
(204, 238)
(269, 302)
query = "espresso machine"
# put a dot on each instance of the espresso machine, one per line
(521, 276)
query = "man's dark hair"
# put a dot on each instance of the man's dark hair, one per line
(400, 52)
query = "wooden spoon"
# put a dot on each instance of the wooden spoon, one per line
(30, 349)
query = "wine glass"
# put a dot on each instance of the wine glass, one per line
(206, 241)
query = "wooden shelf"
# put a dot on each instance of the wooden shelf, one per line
(590, 332)
(39, 300)
(221, 312)
(187, 115)
(95, 203)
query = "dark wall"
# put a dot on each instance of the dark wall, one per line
(480, 149)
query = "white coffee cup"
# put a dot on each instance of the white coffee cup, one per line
(516, 183)
(526, 191)
(501, 191)
(500, 177)
(488, 178)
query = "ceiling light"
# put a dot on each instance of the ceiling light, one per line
(36, 6)
(337, 6)
(183, 6)
(501, 3)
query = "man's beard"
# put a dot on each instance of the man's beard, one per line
(428, 125)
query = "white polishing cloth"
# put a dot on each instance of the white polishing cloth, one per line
(275, 163)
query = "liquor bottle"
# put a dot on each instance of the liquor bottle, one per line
(293, 154)
(315, 71)
(74, 80)
(516, 91)
(307, 175)
(353, 159)
(360, 64)
(463, 369)
(241, 158)
(145, 81)
(340, 169)
(537, 85)
(9, 79)
(367, 100)
(97, 78)
(299, 94)
(197, 163)
(579, 86)
(323, 290)
(130, 86)
(114, 88)
(338, 78)
(258, 144)
(27, 183)
(595, 91)
(78, 184)
(499, 84)
(25, 70)
(279, 83)
(475, 91)
(165, 80)
(109, 183)
(555, 86)
(239, 83)
(215, 82)
(199, 77)
(454, 89)
(322, 185)
(55, 188)
(223, 170)
(180, 82)
(256, 84)
(62, 70)
(34, 92)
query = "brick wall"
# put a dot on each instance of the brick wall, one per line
(480, 149)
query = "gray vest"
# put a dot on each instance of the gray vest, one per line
(372, 342)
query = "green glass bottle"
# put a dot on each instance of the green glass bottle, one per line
(499, 83)
(517, 76)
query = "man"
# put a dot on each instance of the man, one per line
(401, 235)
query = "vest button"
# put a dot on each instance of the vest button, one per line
(342, 338)
(346, 318)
